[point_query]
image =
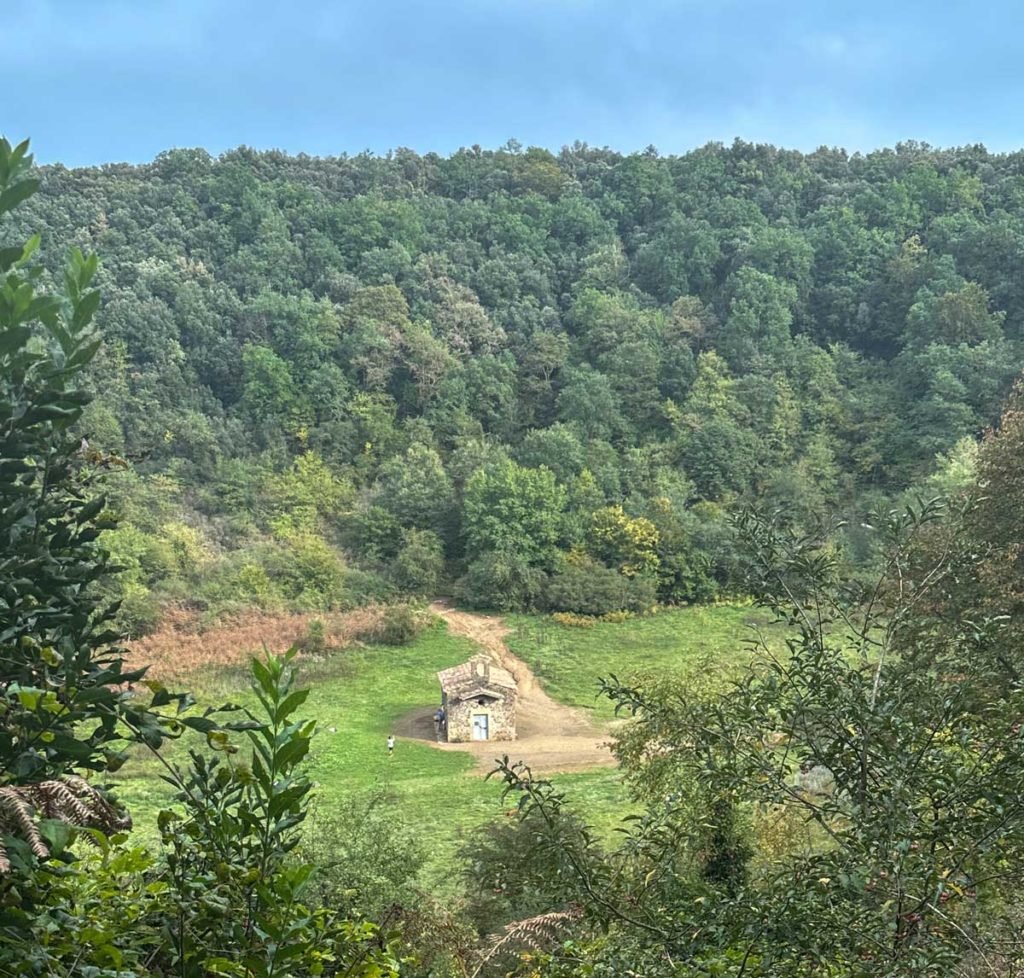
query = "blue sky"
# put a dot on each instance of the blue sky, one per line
(95, 81)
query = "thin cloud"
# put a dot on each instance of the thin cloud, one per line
(843, 49)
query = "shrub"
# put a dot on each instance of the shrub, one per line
(309, 572)
(365, 587)
(517, 868)
(373, 532)
(187, 546)
(420, 563)
(631, 543)
(252, 582)
(315, 639)
(686, 577)
(366, 850)
(591, 589)
(235, 891)
(397, 624)
(617, 617)
(572, 620)
(505, 582)
(61, 669)
(140, 611)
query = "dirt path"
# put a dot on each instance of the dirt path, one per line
(551, 737)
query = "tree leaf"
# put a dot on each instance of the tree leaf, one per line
(17, 193)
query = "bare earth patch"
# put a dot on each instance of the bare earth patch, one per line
(551, 737)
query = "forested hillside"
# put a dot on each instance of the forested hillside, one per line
(849, 805)
(540, 379)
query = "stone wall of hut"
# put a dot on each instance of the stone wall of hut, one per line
(501, 717)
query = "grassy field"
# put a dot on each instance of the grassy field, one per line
(363, 692)
(570, 661)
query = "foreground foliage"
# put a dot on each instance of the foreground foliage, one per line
(63, 705)
(849, 808)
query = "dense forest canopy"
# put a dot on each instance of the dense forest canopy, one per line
(547, 377)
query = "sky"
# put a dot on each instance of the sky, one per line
(102, 81)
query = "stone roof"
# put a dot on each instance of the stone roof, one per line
(479, 671)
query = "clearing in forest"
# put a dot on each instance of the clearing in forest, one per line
(552, 737)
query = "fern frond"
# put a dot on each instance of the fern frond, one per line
(16, 818)
(70, 799)
(536, 933)
(539, 931)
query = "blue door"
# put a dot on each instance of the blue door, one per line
(480, 726)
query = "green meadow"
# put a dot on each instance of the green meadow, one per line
(358, 696)
(571, 661)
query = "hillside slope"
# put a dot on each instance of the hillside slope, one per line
(339, 378)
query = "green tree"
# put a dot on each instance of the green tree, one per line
(270, 392)
(416, 488)
(275, 305)
(419, 564)
(374, 325)
(515, 511)
(757, 328)
(628, 543)
(308, 497)
(680, 259)
(501, 580)
(556, 448)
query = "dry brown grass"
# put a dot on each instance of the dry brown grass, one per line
(182, 647)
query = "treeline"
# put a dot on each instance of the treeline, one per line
(540, 379)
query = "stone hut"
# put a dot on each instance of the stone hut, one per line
(479, 701)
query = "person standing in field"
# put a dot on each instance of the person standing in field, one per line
(391, 745)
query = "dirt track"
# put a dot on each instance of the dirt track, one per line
(551, 738)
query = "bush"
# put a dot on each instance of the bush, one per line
(140, 611)
(517, 868)
(367, 853)
(308, 571)
(366, 587)
(686, 577)
(397, 624)
(617, 617)
(234, 890)
(591, 589)
(373, 533)
(254, 583)
(420, 563)
(315, 639)
(574, 621)
(505, 582)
